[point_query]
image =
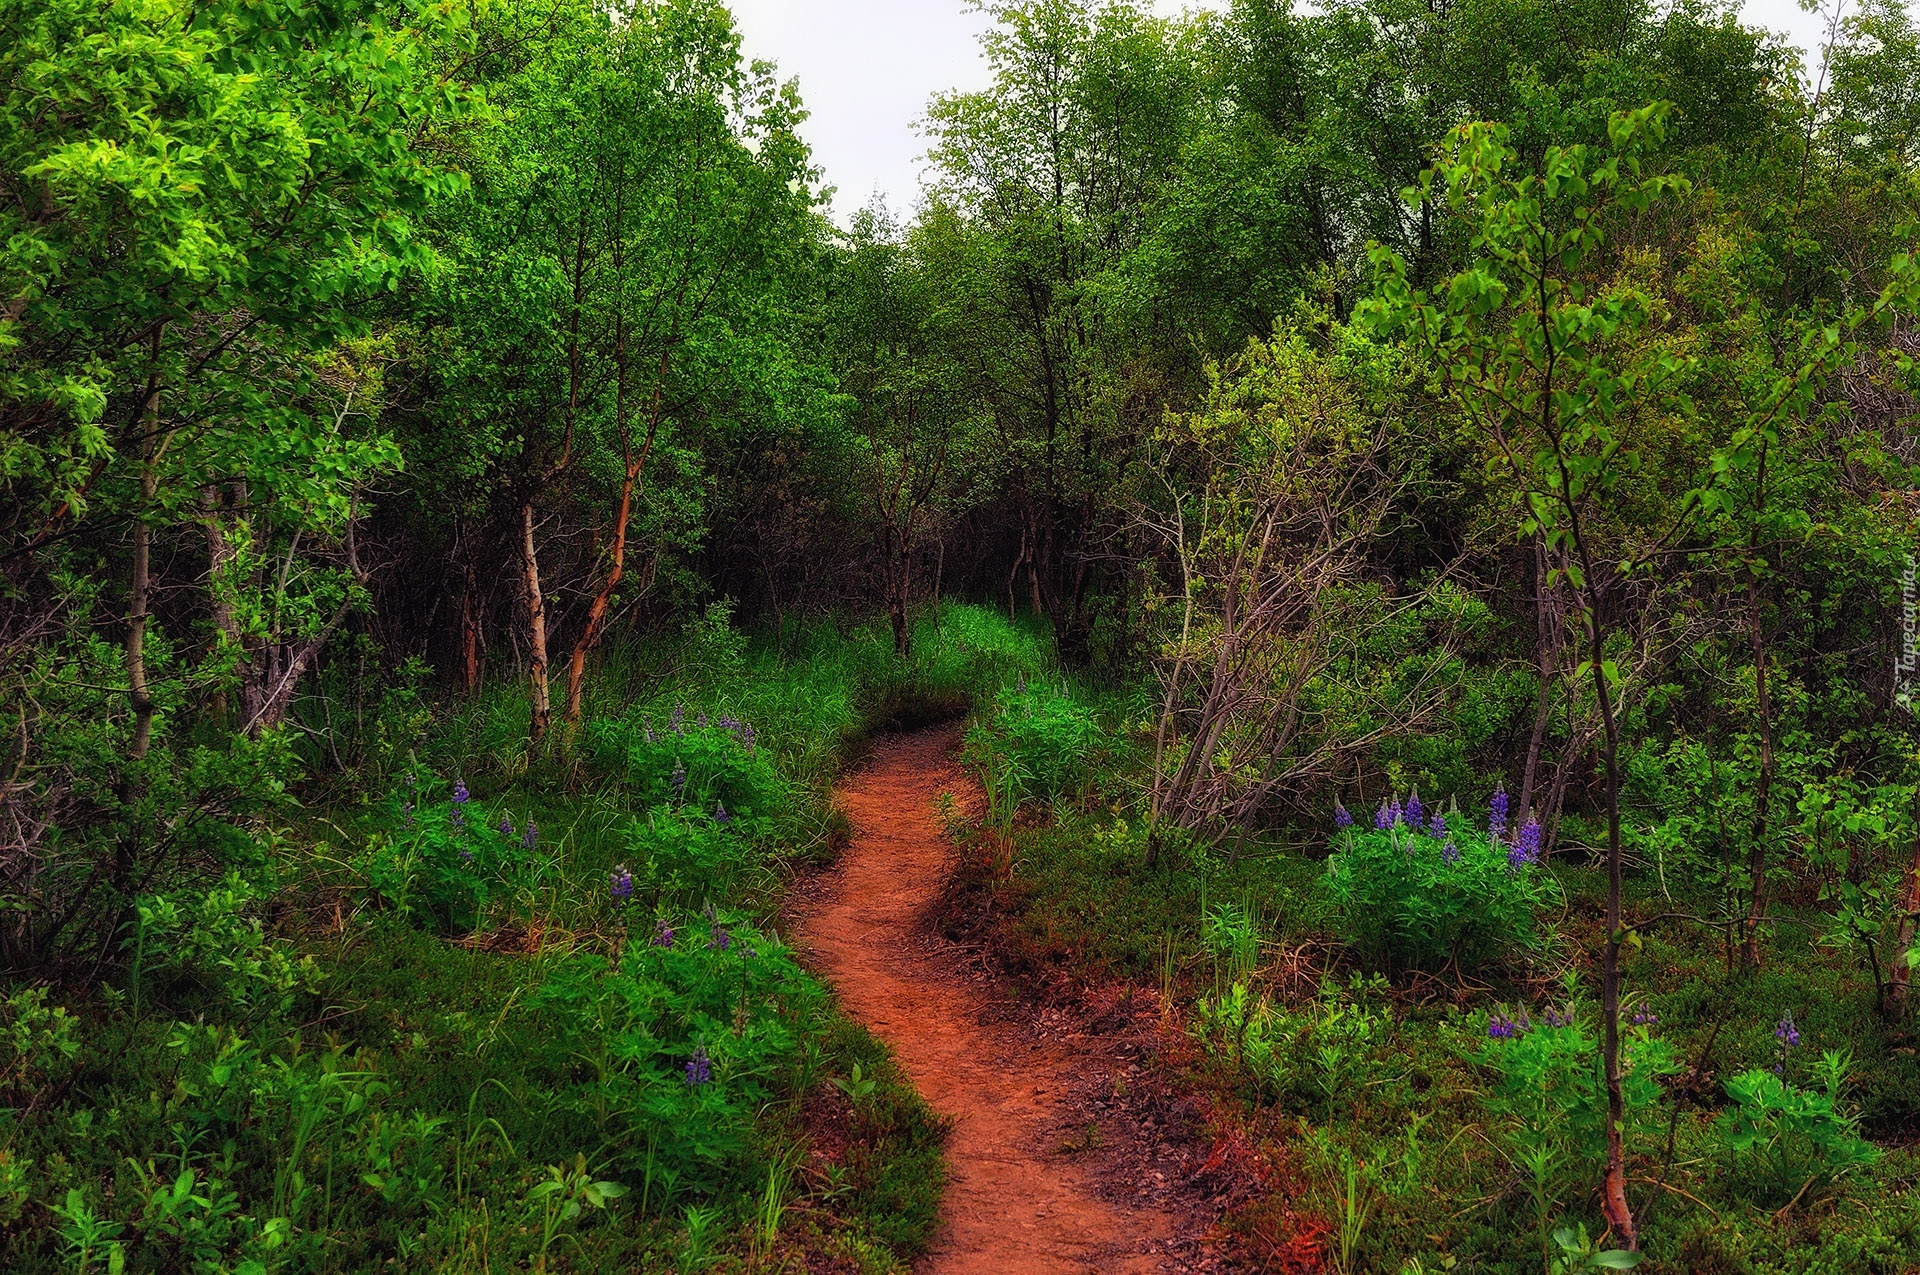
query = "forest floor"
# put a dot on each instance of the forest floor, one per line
(1048, 1173)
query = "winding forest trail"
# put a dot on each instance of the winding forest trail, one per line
(1014, 1205)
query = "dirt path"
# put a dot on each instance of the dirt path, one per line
(1016, 1204)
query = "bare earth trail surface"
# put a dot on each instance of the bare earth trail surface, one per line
(1018, 1201)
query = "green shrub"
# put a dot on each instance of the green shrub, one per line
(1410, 899)
(1780, 1137)
(688, 1035)
(680, 856)
(1550, 1096)
(711, 764)
(446, 861)
(1310, 1058)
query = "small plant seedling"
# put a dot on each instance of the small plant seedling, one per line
(856, 1085)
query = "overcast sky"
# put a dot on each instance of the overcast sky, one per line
(867, 67)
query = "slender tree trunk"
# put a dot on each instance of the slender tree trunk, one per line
(1618, 1212)
(1900, 975)
(541, 716)
(1757, 854)
(139, 694)
(1547, 661)
(470, 632)
(636, 471)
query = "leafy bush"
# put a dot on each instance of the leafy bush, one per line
(447, 861)
(712, 764)
(1551, 1095)
(688, 1035)
(1037, 742)
(1783, 1136)
(1308, 1058)
(1413, 894)
(681, 856)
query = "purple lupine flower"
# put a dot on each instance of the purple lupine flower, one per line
(1383, 818)
(1497, 813)
(1556, 1019)
(506, 827)
(1450, 853)
(1500, 1027)
(746, 737)
(406, 813)
(457, 811)
(1341, 819)
(703, 719)
(1787, 1033)
(1644, 1017)
(1415, 812)
(460, 794)
(620, 883)
(679, 775)
(721, 940)
(699, 1067)
(720, 815)
(531, 837)
(466, 855)
(1526, 847)
(1437, 825)
(662, 934)
(677, 720)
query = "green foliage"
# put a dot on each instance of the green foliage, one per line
(446, 862)
(1550, 1094)
(1319, 1057)
(1410, 900)
(1781, 1138)
(688, 1035)
(715, 765)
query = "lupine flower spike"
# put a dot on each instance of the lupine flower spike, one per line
(1497, 813)
(1383, 818)
(1449, 852)
(721, 940)
(1341, 819)
(531, 837)
(620, 883)
(1438, 825)
(506, 827)
(1416, 813)
(1788, 1033)
(1500, 1027)
(679, 775)
(457, 812)
(720, 815)
(699, 1067)
(662, 934)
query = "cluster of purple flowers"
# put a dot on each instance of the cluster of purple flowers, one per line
(1644, 1017)
(720, 815)
(1787, 1033)
(699, 1067)
(1500, 1027)
(1497, 813)
(457, 812)
(662, 933)
(721, 940)
(1554, 1018)
(1449, 853)
(620, 883)
(531, 837)
(1526, 847)
(679, 775)
(1341, 818)
(1392, 814)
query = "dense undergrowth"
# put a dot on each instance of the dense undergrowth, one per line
(1401, 1012)
(487, 1008)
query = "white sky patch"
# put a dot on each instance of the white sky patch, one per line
(868, 67)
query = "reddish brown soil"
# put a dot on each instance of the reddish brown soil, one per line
(1031, 1190)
